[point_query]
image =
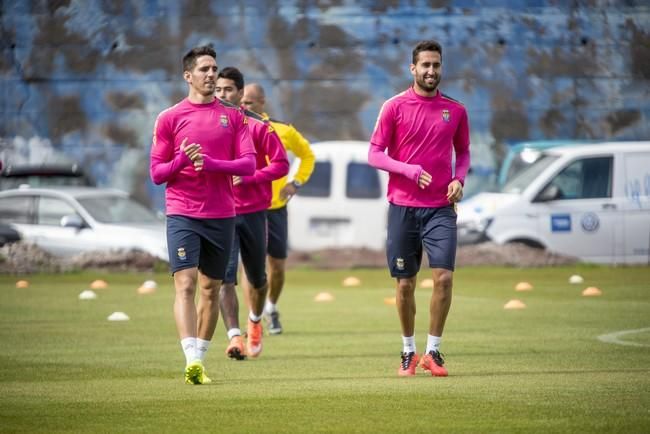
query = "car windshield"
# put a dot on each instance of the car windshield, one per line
(526, 176)
(117, 210)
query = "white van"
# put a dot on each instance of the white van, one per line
(344, 203)
(590, 201)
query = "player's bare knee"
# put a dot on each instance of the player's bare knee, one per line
(405, 286)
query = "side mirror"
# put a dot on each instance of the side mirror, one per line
(550, 192)
(72, 221)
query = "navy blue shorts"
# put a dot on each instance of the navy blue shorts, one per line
(250, 239)
(202, 243)
(278, 233)
(409, 229)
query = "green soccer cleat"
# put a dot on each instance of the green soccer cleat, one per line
(194, 373)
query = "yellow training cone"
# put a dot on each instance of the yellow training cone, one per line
(148, 287)
(323, 296)
(426, 283)
(22, 284)
(391, 301)
(99, 284)
(351, 281)
(523, 286)
(592, 291)
(514, 304)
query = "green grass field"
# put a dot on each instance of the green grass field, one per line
(64, 367)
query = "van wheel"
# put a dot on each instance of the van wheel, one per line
(528, 242)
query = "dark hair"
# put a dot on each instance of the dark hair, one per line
(234, 74)
(429, 45)
(189, 60)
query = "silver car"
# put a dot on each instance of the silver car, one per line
(71, 220)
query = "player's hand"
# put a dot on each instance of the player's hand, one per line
(193, 151)
(454, 191)
(236, 180)
(424, 180)
(288, 191)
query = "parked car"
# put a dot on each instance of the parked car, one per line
(70, 220)
(343, 204)
(42, 175)
(590, 201)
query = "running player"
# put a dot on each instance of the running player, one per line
(421, 128)
(198, 145)
(255, 100)
(252, 197)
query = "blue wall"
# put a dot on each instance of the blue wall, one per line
(84, 80)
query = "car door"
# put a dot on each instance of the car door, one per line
(48, 232)
(635, 208)
(580, 217)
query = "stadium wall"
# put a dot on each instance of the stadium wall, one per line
(84, 80)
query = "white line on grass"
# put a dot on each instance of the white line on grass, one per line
(613, 338)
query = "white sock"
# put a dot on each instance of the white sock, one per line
(253, 317)
(433, 343)
(409, 344)
(233, 332)
(201, 348)
(270, 307)
(189, 349)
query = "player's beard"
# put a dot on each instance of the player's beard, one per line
(421, 81)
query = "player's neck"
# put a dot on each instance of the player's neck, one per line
(198, 98)
(422, 92)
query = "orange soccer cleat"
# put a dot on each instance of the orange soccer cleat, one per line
(434, 363)
(236, 349)
(408, 365)
(254, 338)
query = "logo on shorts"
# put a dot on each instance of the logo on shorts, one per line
(445, 115)
(399, 263)
(224, 121)
(181, 253)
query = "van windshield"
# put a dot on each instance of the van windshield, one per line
(523, 179)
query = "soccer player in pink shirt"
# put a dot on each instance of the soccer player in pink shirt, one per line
(416, 135)
(198, 145)
(252, 198)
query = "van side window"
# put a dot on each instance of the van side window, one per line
(589, 178)
(362, 182)
(320, 182)
(16, 209)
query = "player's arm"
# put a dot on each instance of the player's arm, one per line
(278, 163)
(378, 158)
(461, 148)
(301, 149)
(244, 163)
(163, 164)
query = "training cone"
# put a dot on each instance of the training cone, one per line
(98, 284)
(351, 281)
(575, 279)
(323, 297)
(88, 294)
(523, 286)
(426, 283)
(148, 287)
(592, 291)
(22, 284)
(391, 301)
(514, 304)
(118, 316)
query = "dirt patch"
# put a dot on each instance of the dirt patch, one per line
(514, 255)
(22, 258)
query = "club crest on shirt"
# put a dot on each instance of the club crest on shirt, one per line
(181, 253)
(224, 121)
(445, 115)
